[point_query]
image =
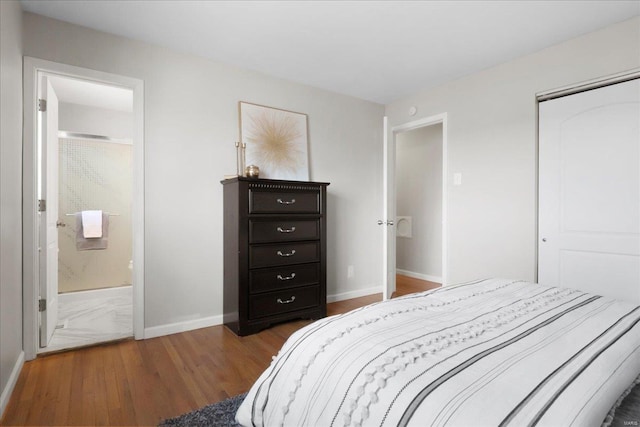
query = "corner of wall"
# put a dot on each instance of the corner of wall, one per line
(11, 50)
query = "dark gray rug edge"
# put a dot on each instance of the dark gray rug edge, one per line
(220, 414)
(626, 412)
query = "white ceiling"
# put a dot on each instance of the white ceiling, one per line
(374, 50)
(82, 92)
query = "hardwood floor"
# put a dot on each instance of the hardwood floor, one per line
(143, 382)
(409, 285)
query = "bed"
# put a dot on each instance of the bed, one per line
(486, 353)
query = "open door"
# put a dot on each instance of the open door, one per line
(389, 212)
(48, 209)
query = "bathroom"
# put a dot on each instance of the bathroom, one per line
(94, 171)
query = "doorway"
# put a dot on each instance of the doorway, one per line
(418, 222)
(415, 237)
(83, 170)
(94, 176)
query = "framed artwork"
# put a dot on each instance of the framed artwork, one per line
(276, 141)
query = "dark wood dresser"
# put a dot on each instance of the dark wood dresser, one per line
(274, 252)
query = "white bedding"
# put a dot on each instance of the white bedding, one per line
(488, 353)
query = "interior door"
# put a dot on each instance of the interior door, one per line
(48, 128)
(589, 191)
(389, 213)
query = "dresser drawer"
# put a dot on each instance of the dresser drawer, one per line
(283, 231)
(271, 279)
(283, 254)
(284, 202)
(271, 303)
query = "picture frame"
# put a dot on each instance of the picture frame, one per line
(276, 141)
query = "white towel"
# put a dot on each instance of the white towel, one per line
(92, 224)
(83, 244)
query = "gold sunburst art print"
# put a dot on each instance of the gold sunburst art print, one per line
(276, 141)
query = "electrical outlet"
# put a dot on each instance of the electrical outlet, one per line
(350, 272)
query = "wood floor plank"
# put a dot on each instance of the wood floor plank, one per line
(89, 388)
(21, 395)
(113, 391)
(137, 378)
(76, 381)
(101, 415)
(124, 395)
(129, 382)
(32, 371)
(409, 285)
(64, 390)
(42, 397)
(180, 356)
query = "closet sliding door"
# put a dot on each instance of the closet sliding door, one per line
(589, 191)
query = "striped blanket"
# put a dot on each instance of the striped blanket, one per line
(488, 353)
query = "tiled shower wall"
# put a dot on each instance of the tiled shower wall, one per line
(95, 175)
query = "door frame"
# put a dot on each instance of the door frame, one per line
(389, 196)
(32, 69)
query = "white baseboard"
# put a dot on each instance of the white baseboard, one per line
(188, 325)
(125, 291)
(354, 294)
(428, 277)
(13, 379)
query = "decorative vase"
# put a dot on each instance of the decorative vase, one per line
(252, 171)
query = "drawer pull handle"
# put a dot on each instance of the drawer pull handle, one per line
(286, 230)
(293, 252)
(293, 276)
(284, 202)
(289, 301)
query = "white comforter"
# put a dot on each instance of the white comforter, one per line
(488, 353)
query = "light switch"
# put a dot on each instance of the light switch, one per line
(457, 178)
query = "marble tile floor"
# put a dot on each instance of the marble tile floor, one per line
(92, 317)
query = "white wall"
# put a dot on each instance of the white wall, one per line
(95, 121)
(419, 195)
(492, 142)
(11, 354)
(191, 123)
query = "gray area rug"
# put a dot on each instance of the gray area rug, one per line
(626, 411)
(222, 414)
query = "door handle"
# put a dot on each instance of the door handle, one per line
(544, 239)
(381, 222)
(60, 224)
